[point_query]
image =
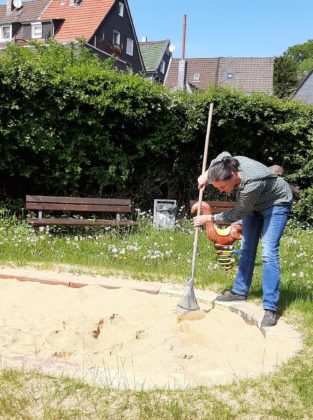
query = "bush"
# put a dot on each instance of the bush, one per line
(71, 125)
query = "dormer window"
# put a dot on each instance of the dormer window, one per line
(229, 77)
(5, 33)
(196, 77)
(120, 9)
(36, 30)
(75, 2)
(116, 38)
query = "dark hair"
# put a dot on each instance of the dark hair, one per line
(222, 170)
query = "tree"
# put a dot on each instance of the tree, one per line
(285, 76)
(302, 54)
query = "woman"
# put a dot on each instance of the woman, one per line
(263, 202)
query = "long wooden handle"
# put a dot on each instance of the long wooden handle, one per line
(205, 153)
(204, 163)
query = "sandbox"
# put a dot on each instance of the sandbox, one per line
(126, 334)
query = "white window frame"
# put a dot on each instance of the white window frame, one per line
(162, 67)
(118, 38)
(130, 46)
(2, 39)
(120, 9)
(34, 25)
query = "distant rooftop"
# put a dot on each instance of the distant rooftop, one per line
(152, 53)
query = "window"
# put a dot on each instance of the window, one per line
(196, 77)
(121, 9)
(116, 38)
(229, 77)
(162, 67)
(37, 30)
(5, 33)
(129, 46)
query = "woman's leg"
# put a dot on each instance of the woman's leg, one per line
(251, 230)
(275, 219)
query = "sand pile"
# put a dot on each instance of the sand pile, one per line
(129, 339)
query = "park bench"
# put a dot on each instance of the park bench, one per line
(67, 207)
(217, 206)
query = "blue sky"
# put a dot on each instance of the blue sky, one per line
(237, 28)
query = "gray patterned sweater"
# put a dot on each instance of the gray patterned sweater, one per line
(258, 190)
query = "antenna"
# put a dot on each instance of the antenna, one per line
(172, 48)
(17, 4)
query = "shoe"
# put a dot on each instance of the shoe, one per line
(230, 296)
(269, 319)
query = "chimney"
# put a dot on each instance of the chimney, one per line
(181, 81)
(144, 39)
(182, 65)
(184, 37)
(9, 7)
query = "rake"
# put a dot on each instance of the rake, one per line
(189, 302)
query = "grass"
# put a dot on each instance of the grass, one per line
(149, 254)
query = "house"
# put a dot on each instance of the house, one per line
(250, 75)
(20, 21)
(156, 57)
(105, 25)
(304, 91)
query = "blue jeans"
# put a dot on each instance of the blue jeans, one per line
(269, 225)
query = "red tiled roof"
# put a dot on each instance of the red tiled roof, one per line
(30, 11)
(79, 20)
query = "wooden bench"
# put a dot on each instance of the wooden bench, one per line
(217, 206)
(114, 207)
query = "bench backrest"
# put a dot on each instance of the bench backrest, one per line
(108, 205)
(217, 206)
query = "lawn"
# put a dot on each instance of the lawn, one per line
(149, 254)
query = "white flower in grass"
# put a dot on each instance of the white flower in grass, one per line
(122, 251)
(301, 274)
(114, 250)
(293, 274)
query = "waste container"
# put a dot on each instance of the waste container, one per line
(164, 213)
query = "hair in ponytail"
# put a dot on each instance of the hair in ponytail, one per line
(222, 170)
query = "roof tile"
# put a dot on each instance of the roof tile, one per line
(30, 11)
(80, 20)
(152, 53)
(251, 75)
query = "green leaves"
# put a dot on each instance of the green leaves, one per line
(70, 125)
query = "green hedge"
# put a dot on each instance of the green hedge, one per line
(71, 125)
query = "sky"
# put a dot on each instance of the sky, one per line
(225, 28)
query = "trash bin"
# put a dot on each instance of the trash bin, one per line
(164, 212)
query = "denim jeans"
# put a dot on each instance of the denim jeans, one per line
(268, 225)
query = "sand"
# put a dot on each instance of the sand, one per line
(130, 339)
